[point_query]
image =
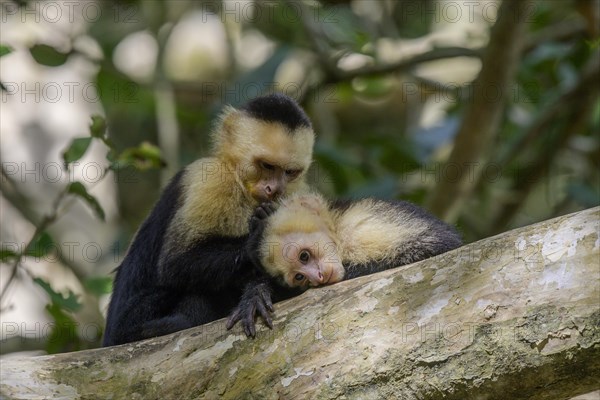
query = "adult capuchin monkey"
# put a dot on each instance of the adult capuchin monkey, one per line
(308, 242)
(190, 259)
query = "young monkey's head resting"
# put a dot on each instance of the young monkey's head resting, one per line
(267, 144)
(299, 245)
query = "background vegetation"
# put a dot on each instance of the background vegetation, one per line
(421, 100)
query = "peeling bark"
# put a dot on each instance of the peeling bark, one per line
(513, 316)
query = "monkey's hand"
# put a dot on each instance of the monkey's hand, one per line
(256, 227)
(255, 299)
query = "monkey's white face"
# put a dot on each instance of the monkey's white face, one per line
(270, 180)
(309, 259)
(270, 160)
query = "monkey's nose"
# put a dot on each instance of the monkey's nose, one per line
(272, 192)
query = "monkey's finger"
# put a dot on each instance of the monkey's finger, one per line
(260, 212)
(254, 222)
(264, 210)
(265, 315)
(266, 298)
(248, 322)
(233, 319)
(269, 208)
(249, 328)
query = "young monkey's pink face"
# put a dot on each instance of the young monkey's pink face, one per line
(310, 259)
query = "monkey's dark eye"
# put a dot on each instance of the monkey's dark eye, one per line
(292, 173)
(304, 256)
(299, 277)
(267, 166)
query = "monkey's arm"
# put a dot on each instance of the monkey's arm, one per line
(260, 290)
(255, 298)
(212, 263)
(258, 297)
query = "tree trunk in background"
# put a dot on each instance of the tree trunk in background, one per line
(481, 121)
(515, 316)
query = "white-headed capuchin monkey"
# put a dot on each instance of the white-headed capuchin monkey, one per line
(308, 242)
(191, 258)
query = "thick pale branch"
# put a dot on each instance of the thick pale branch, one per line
(513, 316)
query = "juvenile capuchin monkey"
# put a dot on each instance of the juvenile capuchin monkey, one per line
(309, 242)
(191, 258)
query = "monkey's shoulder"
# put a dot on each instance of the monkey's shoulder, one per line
(212, 203)
(375, 229)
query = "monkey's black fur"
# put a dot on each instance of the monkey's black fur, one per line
(199, 285)
(278, 108)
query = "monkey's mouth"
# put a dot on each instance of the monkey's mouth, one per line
(265, 198)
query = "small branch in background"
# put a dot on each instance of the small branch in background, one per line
(567, 101)
(559, 32)
(483, 115)
(590, 11)
(168, 130)
(405, 64)
(59, 206)
(315, 33)
(39, 229)
(166, 113)
(21, 203)
(577, 105)
(336, 75)
(15, 198)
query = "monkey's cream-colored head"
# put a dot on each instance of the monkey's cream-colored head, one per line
(267, 144)
(299, 245)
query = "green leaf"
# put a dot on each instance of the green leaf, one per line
(78, 189)
(76, 150)
(98, 131)
(145, 156)
(98, 127)
(6, 254)
(48, 55)
(40, 246)
(68, 302)
(63, 336)
(4, 50)
(99, 285)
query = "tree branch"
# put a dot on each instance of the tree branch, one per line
(513, 316)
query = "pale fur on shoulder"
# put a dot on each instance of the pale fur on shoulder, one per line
(374, 230)
(212, 203)
(214, 200)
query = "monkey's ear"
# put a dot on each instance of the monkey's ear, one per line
(229, 122)
(314, 203)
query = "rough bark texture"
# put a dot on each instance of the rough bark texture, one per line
(515, 316)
